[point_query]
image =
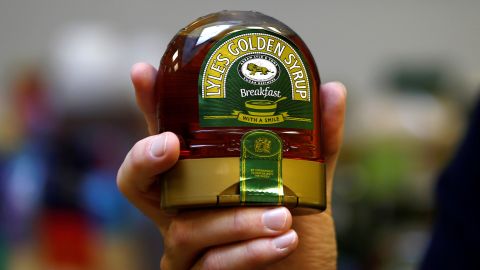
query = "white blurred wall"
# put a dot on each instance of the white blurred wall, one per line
(351, 40)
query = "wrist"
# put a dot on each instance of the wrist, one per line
(317, 248)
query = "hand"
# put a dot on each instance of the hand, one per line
(230, 238)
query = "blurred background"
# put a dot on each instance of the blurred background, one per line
(67, 118)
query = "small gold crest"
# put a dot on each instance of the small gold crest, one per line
(263, 145)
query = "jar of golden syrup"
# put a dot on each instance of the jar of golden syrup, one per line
(241, 91)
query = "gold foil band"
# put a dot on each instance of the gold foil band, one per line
(215, 182)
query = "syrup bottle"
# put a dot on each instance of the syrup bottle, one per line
(241, 90)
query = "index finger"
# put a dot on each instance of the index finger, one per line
(143, 79)
(333, 95)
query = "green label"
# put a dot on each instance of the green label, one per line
(261, 168)
(255, 78)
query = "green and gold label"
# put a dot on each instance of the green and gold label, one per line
(261, 168)
(255, 78)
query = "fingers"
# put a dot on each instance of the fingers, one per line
(333, 97)
(143, 79)
(254, 254)
(149, 157)
(190, 234)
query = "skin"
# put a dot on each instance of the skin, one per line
(232, 238)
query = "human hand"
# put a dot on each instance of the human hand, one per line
(229, 238)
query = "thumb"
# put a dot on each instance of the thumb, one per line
(147, 158)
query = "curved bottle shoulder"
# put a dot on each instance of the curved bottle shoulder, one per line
(200, 36)
(217, 25)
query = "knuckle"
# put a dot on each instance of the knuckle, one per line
(240, 223)
(135, 157)
(122, 175)
(132, 164)
(256, 252)
(212, 261)
(178, 234)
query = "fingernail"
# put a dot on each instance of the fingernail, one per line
(343, 87)
(284, 241)
(275, 219)
(159, 145)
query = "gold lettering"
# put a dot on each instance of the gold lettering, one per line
(269, 44)
(297, 75)
(217, 68)
(279, 49)
(233, 51)
(294, 65)
(223, 59)
(290, 59)
(251, 45)
(261, 43)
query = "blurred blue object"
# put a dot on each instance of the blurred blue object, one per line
(25, 176)
(101, 199)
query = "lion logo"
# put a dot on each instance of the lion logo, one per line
(259, 69)
(253, 68)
